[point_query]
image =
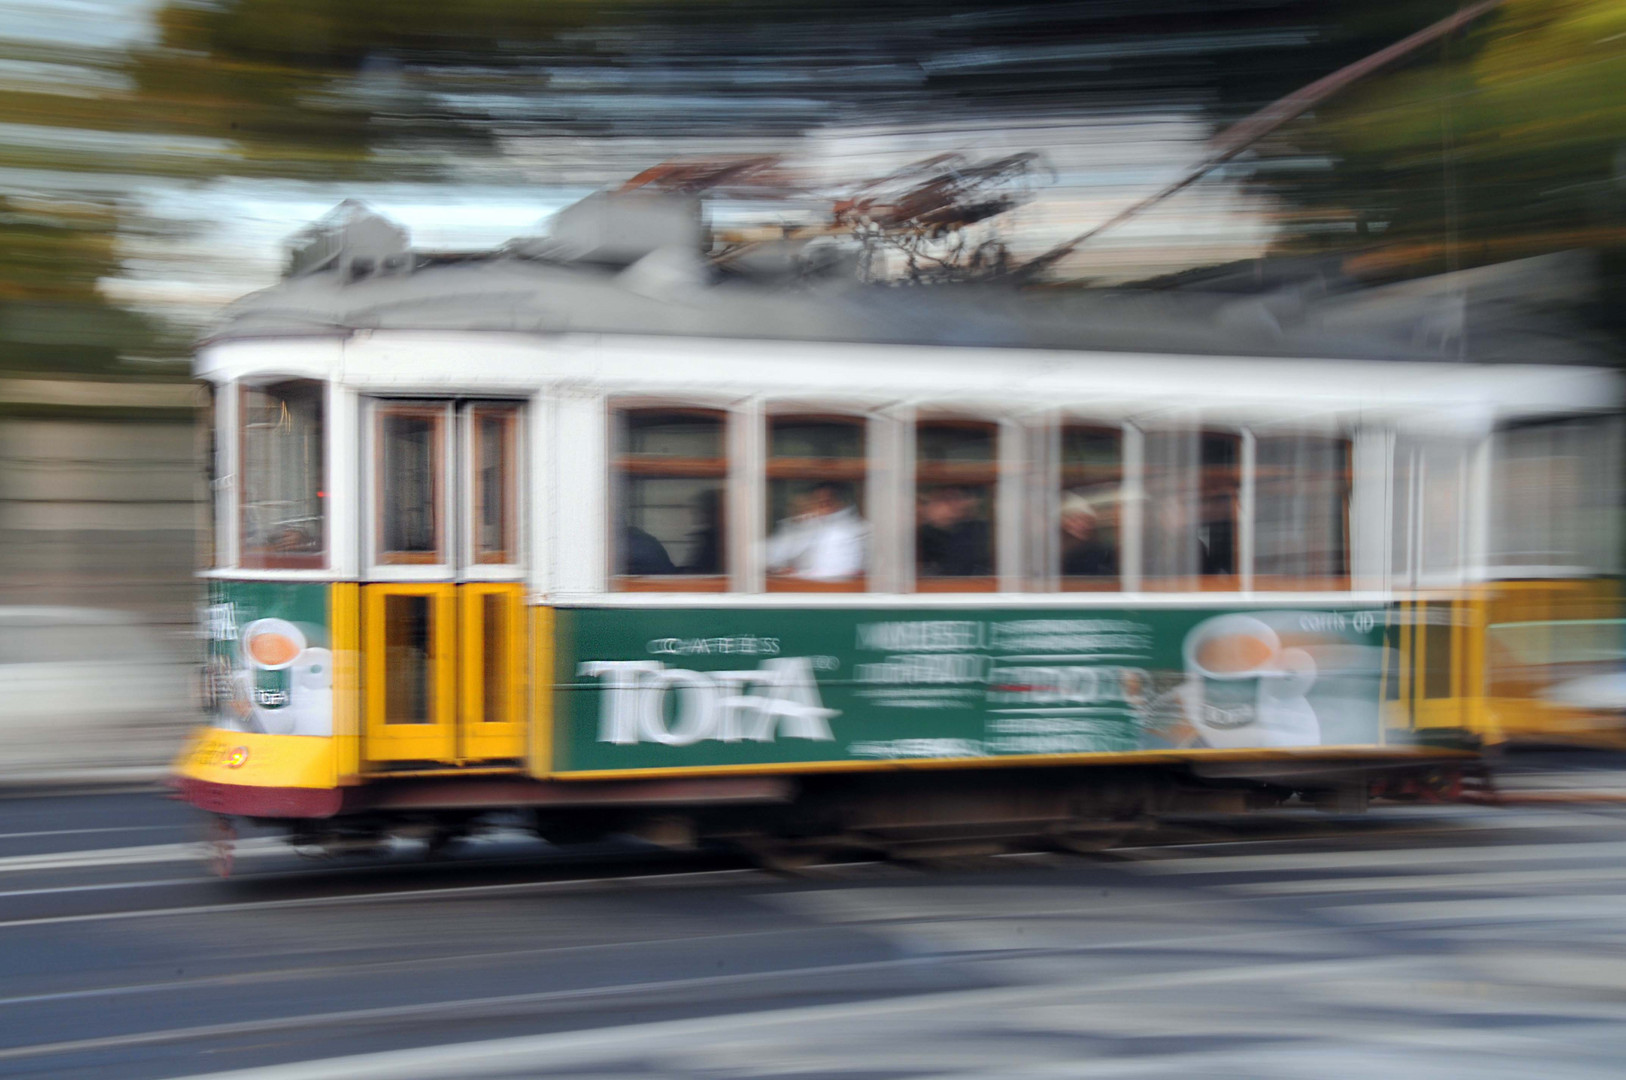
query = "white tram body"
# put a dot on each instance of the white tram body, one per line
(529, 529)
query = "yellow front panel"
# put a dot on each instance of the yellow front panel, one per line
(252, 760)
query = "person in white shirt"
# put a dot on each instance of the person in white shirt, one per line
(826, 543)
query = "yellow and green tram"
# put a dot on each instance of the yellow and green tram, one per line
(634, 550)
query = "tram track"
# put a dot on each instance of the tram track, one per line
(532, 869)
(169, 974)
(529, 1005)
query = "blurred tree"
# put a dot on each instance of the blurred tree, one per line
(53, 317)
(313, 89)
(1505, 142)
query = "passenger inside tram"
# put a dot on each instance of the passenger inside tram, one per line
(641, 553)
(1088, 548)
(823, 539)
(953, 535)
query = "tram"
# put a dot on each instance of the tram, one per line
(584, 530)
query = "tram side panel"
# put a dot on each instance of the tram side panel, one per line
(699, 691)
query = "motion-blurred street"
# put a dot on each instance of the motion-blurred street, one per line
(1408, 942)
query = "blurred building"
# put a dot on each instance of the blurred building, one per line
(99, 499)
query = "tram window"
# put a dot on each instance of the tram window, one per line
(672, 466)
(1193, 481)
(412, 452)
(496, 470)
(817, 538)
(1090, 507)
(956, 479)
(283, 504)
(1442, 497)
(1554, 496)
(1301, 495)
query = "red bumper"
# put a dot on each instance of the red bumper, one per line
(269, 802)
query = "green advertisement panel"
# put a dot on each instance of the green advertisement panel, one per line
(270, 666)
(673, 688)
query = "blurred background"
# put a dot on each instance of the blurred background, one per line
(154, 156)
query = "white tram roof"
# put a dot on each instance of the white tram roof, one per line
(664, 323)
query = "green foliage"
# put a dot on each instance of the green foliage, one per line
(1508, 141)
(53, 254)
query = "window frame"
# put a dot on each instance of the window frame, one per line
(474, 564)
(1199, 486)
(411, 566)
(245, 557)
(1056, 488)
(858, 470)
(1600, 440)
(989, 475)
(722, 469)
(1340, 582)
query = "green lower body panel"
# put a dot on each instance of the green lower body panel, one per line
(673, 688)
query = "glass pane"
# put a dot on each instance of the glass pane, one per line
(672, 525)
(1192, 482)
(1301, 491)
(1442, 508)
(817, 439)
(673, 467)
(409, 515)
(1221, 481)
(1172, 514)
(494, 519)
(1091, 501)
(1554, 496)
(664, 434)
(954, 500)
(494, 658)
(954, 443)
(282, 505)
(1091, 447)
(408, 676)
(816, 495)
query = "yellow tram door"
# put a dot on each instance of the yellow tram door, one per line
(1439, 674)
(443, 636)
(491, 655)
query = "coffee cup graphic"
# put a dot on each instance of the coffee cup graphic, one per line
(1247, 689)
(270, 647)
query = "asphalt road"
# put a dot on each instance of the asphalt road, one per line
(1410, 942)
